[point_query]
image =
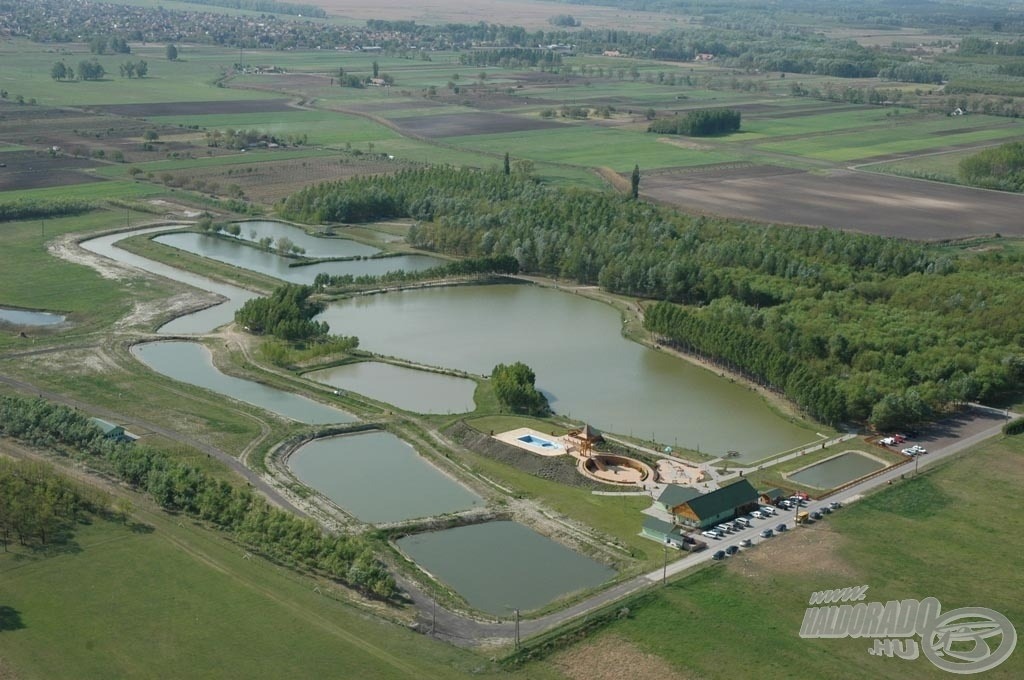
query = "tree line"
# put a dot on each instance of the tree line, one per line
(699, 123)
(37, 505)
(29, 209)
(1001, 167)
(849, 326)
(501, 264)
(179, 487)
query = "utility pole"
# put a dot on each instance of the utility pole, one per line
(664, 566)
(433, 617)
(517, 628)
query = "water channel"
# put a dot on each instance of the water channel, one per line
(837, 470)
(582, 361)
(22, 317)
(407, 388)
(378, 478)
(501, 566)
(192, 363)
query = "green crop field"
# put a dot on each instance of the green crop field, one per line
(942, 167)
(27, 68)
(951, 534)
(322, 127)
(918, 134)
(587, 146)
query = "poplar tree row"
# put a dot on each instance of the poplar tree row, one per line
(179, 487)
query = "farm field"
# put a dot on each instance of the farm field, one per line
(843, 199)
(922, 538)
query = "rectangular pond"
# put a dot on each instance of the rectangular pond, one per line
(232, 251)
(378, 478)
(192, 363)
(23, 317)
(501, 566)
(407, 388)
(837, 470)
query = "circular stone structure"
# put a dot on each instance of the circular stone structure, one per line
(611, 469)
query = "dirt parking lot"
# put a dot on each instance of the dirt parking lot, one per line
(844, 199)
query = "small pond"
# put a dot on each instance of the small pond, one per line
(378, 478)
(315, 246)
(192, 363)
(501, 566)
(837, 470)
(21, 317)
(407, 388)
(230, 251)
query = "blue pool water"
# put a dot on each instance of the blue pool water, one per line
(537, 441)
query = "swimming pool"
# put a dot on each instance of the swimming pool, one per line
(533, 440)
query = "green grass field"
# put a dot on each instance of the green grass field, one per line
(952, 534)
(900, 136)
(181, 601)
(322, 127)
(587, 146)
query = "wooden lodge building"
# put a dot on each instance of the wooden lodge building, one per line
(695, 510)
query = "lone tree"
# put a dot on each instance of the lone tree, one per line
(172, 53)
(59, 71)
(514, 387)
(508, 165)
(635, 182)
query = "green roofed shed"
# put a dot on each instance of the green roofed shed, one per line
(675, 495)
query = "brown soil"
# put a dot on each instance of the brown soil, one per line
(197, 108)
(811, 550)
(612, 658)
(460, 124)
(32, 170)
(857, 201)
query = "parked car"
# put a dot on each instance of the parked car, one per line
(723, 529)
(767, 533)
(825, 509)
(781, 527)
(746, 520)
(689, 539)
(738, 526)
(732, 550)
(710, 533)
(835, 505)
(757, 514)
(719, 555)
(768, 510)
(746, 543)
(816, 515)
(786, 504)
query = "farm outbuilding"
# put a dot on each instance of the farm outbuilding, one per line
(110, 430)
(663, 532)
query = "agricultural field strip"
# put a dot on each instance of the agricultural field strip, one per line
(590, 147)
(322, 127)
(240, 158)
(897, 139)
